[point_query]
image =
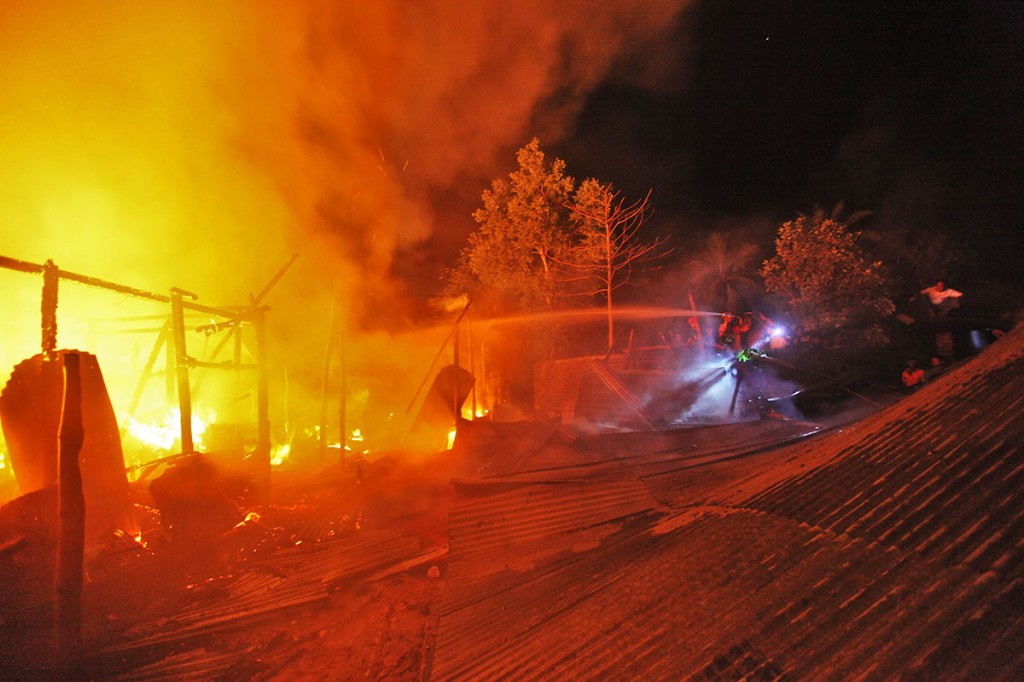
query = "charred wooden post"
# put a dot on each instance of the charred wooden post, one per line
(238, 348)
(736, 390)
(170, 379)
(181, 362)
(234, 328)
(147, 370)
(456, 405)
(343, 406)
(472, 365)
(262, 453)
(440, 351)
(51, 282)
(275, 279)
(325, 382)
(71, 520)
(51, 285)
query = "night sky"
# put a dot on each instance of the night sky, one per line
(912, 110)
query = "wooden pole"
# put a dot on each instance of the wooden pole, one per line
(440, 350)
(262, 453)
(472, 362)
(147, 371)
(71, 521)
(51, 282)
(233, 331)
(237, 353)
(181, 370)
(325, 382)
(736, 390)
(455, 374)
(24, 266)
(273, 280)
(343, 404)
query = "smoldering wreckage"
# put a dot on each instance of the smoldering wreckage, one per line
(625, 536)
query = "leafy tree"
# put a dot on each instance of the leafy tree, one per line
(607, 246)
(524, 226)
(821, 274)
(722, 271)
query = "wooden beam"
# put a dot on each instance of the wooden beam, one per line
(182, 371)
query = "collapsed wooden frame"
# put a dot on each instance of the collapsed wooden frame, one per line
(179, 300)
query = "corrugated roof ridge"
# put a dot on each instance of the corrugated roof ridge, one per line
(917, 460)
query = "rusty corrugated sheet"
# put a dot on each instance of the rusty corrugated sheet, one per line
(195, 664)
(498, 545)
(941, 474)
(289, 578)
(506, 533)
(890, 549)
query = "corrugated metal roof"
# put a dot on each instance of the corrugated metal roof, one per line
(289, 578)
(891, 548)
(940, 474)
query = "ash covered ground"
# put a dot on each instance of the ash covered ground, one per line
(337, 578)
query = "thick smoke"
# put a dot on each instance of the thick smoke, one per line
(198, 145)
(402, 103)
(195, 139)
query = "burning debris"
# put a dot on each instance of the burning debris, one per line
(198, 508)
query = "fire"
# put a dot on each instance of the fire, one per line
(164, 434)
(480, 412)
(279, 454)
(93, 115)
(6, 473)
(354, 441)
(139, 541)
(250, 518)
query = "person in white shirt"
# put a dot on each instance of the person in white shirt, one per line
(942, 298)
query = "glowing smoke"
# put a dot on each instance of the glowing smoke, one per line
(198, 144)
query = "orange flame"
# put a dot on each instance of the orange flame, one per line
(164, 433)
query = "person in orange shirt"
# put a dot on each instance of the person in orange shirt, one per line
(913, 376)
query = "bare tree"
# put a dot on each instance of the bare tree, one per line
(608, 246)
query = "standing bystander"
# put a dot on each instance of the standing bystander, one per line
(941, 298)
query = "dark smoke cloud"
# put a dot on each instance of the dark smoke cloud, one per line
(198, 145)
(402, 103)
